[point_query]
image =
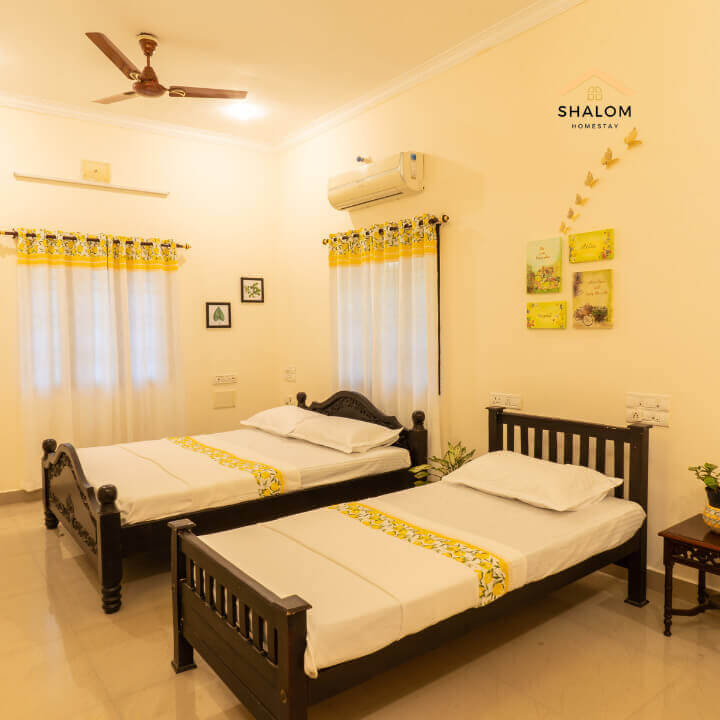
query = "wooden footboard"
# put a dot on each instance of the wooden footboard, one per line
(253, 639)
(91, 518)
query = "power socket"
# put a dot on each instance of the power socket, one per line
(225, 379)
(646, 416)
(647, 408)
(290, 374)
(506, 400)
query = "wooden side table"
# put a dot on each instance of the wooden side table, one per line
(690, 543)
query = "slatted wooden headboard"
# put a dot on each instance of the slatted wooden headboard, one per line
(576, 438)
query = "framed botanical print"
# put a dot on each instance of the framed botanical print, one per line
(252, 289)
(217, 315)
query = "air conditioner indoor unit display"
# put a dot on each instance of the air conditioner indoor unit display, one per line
(395, 176)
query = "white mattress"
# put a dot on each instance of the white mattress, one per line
(368, 589)
(157, 478)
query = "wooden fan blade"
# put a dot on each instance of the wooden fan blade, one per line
(183, 91)
(117, 98)
(115, 55)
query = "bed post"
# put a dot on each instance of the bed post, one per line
(295, 694)
(418, 439)
(495, 434)
(183, 653)
(637, 562)
(49, 446)
(109, 549)
(301, 398)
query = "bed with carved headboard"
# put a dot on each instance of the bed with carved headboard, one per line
(90, 514)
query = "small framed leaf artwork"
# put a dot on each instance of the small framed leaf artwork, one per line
(217, 315)
(252, 289)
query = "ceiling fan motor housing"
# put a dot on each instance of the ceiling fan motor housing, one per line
(148, 84)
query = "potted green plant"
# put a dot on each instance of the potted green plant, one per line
(710, 475)
(438, 467)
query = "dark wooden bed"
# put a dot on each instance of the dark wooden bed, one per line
(255, 641)
(93, 518)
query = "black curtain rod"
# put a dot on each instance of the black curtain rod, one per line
(13, 233)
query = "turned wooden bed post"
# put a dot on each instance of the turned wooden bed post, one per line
(638, 492)
(109, 549)
(418, 439)
(49, 446)
(183, 651)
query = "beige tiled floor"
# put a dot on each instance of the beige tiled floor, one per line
(580, 653)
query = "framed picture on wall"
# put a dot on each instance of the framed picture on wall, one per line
(252, 289)
(544, 266)
(217, 315)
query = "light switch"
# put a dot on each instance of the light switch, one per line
(506, 400)
(648, 408)
(225, 379)
(290, 373)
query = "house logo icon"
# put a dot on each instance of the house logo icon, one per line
(595, 101)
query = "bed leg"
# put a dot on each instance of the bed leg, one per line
(183, 650)
(109, 549)
(51, 522)
(637, 579)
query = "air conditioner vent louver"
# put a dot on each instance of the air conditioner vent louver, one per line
(395, 176)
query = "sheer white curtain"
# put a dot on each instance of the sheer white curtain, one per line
(99, 359)
(384, 288)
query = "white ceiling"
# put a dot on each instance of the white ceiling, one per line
(298, 60)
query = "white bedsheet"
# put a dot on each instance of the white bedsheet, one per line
(368, 589)
(157, 478)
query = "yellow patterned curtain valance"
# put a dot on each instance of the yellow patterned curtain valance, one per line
(137, 254)
(61, 248)
(384, 243)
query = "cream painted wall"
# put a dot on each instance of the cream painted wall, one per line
(506, 169)
(219, 202)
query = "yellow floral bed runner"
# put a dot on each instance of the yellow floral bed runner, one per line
(270, 480)
(491, 570)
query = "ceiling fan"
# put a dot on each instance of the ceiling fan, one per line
(146, 82)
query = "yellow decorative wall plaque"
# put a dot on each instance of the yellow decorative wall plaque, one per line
(592, 299)
(544, 266)
(592, 246)
(546, 315)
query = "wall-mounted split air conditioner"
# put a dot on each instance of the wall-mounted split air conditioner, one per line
(392, 177)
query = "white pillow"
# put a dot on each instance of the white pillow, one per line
(279, 420)
(535, 482)
(344, 434)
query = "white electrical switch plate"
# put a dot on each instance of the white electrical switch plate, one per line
(646, 408)
(644, 400)
(661, 418)
(506, 400)
(290, 373)
(224, 399)
(225, 379)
